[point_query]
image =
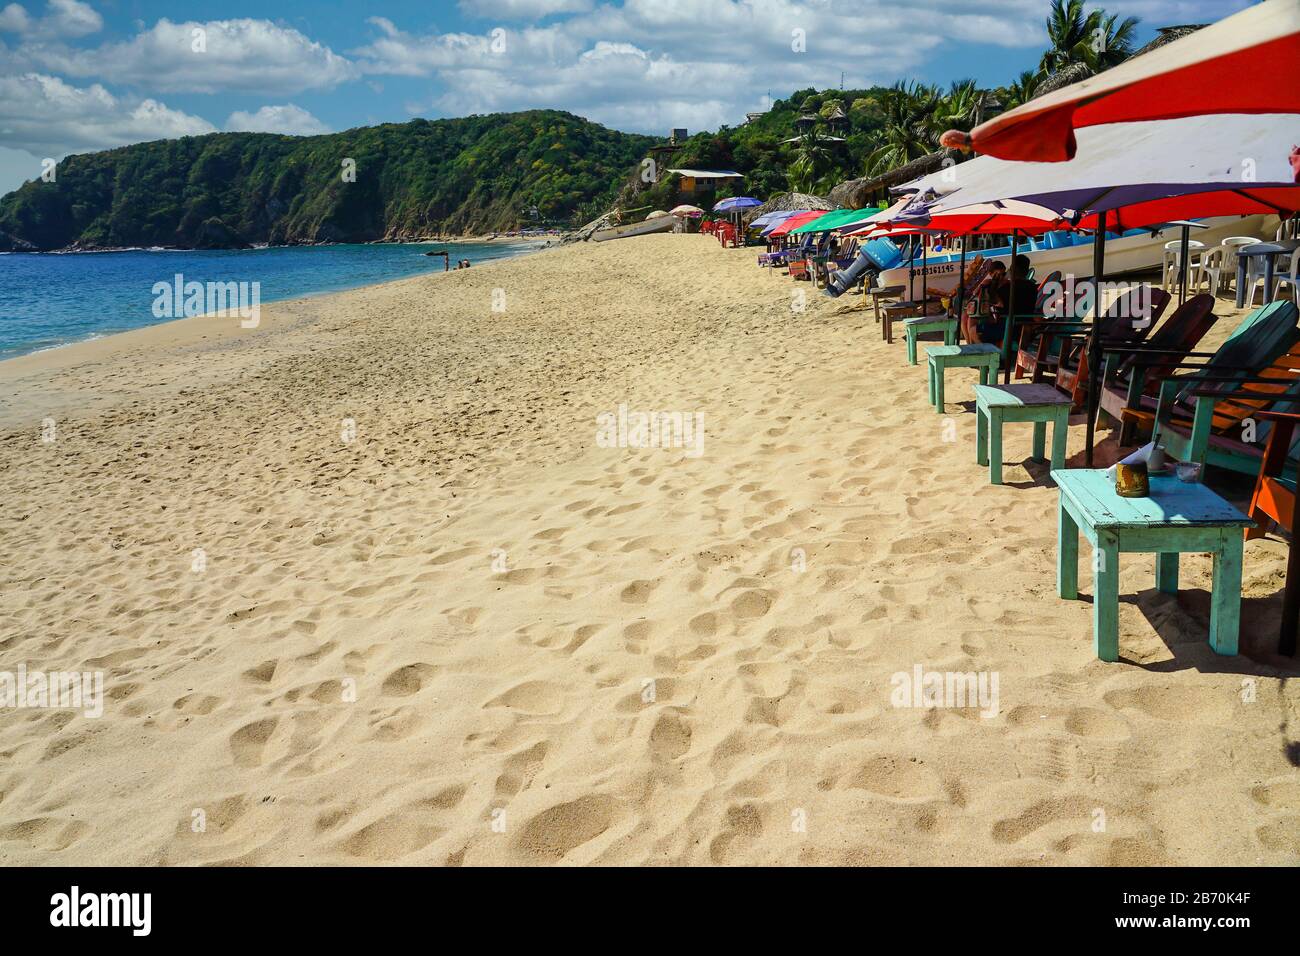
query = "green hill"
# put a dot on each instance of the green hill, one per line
(452, 176)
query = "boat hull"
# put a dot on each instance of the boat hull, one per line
(643, 228)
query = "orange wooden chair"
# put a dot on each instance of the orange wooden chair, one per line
(1274, 501)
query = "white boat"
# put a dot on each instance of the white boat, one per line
(642, 228)
(1071, 254)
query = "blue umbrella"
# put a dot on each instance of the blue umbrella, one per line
(737, 202)
(771, 219)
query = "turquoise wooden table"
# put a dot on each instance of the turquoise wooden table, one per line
(942, 357)
(928, 323)
(1024, 402)
(1177, 517)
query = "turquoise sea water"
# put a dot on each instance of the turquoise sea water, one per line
(50, 300)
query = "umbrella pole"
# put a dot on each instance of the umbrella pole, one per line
(1011, 310)
(925, 286)
(1182, 264)
(961, 286)
(1094, 340)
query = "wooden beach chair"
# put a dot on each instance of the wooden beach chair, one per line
(1212, 416)
(1124, 382)
(1049, 347)
(1264, 337)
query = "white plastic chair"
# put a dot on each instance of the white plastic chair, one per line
(1255, 274)
(1291, 277)
(1231, 246)
(1169, 279)
(1210, 268)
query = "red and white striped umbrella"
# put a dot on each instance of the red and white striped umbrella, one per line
(1246, 63)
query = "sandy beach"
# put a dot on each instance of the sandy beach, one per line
(365, 587)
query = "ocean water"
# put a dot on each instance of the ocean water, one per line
(50, 300)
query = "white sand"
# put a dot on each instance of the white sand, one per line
(649, 680)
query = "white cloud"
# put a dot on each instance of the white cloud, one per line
(14, 19)
(288, 119)
(651, 64)
(48, 117)
(523, 9)
(254, 56)
(63, 18)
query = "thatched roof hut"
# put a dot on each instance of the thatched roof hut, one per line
(856, 193)
(785, 202)
(1169, 35)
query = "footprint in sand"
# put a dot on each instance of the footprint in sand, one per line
(248, 742)
(670, 737)
(549, 836)
(1075, 812)
(1198, 705)
(520, 769)
(534, 697)
(896, 777)
(407, 680)
(752, 604)
(744, 822)
(637, 592)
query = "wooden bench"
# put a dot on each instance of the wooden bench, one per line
(1035, 402)
(940, 358)
(928, 323)
(1178, 516)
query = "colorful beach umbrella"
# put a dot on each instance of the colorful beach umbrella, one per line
(835, 219)
(1131, 175)
(771, 218)
(736, 202)
(1001, 217)
(1144, 173)
(793, 222)
(1246, 63)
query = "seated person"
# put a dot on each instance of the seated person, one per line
(992, 328)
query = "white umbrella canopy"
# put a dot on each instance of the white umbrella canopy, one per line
(867, 224)
(657, 214)
(1002, 217)
(685, 210)
(1141, 173)
(1246, 63)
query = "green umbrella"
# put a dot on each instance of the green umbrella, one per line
(833, 219)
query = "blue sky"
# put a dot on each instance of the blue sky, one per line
(80, 75)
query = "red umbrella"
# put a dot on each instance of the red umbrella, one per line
(795, 221)
(1000, 217)
(1246, 63)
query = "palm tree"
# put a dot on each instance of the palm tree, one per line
(1111, 42)
(1084, 43)
(1068, 33)
(908, 129)
(963, 107)
(811, 162)
(1021, 90)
